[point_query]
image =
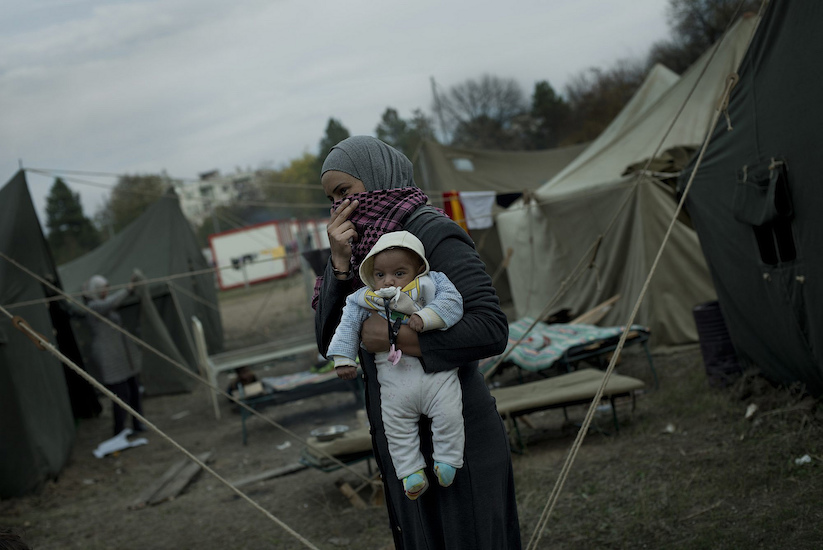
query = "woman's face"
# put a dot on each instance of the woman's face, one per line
(339, 185)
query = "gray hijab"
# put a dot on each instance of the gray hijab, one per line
(377, 164)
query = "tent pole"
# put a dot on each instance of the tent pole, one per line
(189, 339)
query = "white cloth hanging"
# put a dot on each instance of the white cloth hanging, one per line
(477, 206)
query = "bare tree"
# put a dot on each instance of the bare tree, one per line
(596, 96)
(695, 26)
(484, 113)
(129, 198)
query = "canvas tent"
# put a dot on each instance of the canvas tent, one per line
(36, 420)
(591, 198)
(440, 168)
(162, 245)
(756, 197)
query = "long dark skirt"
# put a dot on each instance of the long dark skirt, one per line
(478, 511)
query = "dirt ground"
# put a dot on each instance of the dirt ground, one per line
(686, 470)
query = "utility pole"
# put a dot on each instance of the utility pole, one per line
(439, 108)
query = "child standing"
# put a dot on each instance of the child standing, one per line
(400, 286)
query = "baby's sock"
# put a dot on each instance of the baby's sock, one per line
(445, 473)
(415, 484)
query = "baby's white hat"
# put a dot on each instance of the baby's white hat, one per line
(395, 239)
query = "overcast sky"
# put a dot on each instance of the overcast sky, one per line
(187, 86)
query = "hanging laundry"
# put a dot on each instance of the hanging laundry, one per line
(477, 205)
(453, 208)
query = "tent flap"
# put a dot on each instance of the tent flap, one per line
(36, 422)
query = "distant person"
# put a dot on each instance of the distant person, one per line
(115, 355)
(401, 288)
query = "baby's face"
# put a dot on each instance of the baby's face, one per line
(396, 267)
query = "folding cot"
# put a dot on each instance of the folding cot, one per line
(562, 391)
(277, 390)
(565, 345)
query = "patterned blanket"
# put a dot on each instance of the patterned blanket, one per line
(546, 343)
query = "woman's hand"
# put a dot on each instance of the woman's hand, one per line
(341, 234)
(375, 337)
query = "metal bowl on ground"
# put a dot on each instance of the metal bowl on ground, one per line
(329, 433)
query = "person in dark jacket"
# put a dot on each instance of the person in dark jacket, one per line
(116, 356)
(373, 192)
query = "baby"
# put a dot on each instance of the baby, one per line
(401, 288)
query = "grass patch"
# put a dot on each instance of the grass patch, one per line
(713, 479)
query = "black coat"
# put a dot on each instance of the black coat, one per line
(478, 511)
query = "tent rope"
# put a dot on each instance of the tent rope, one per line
(553, 497)
(272, 204)
(57, 171)
(166, 279)
(43, 344)
(581, 434)
(576, 273)
(193, 296)
(185, 370)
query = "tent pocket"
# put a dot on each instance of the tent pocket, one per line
(762, 193)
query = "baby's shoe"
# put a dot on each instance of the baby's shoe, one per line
(445, 473)
(415, 484)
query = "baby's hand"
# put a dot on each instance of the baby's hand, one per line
(346, 372)
(416, 323)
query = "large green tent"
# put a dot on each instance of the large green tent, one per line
(36, 421)
(756, 195)
(162, 245)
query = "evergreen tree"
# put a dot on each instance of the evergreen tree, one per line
(335, 133)
(550, 117)
(393, 129)
(71, 233)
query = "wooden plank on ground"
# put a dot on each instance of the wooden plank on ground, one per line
(269, 474)
(179, 481)
(148, 492)
(351, 494)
